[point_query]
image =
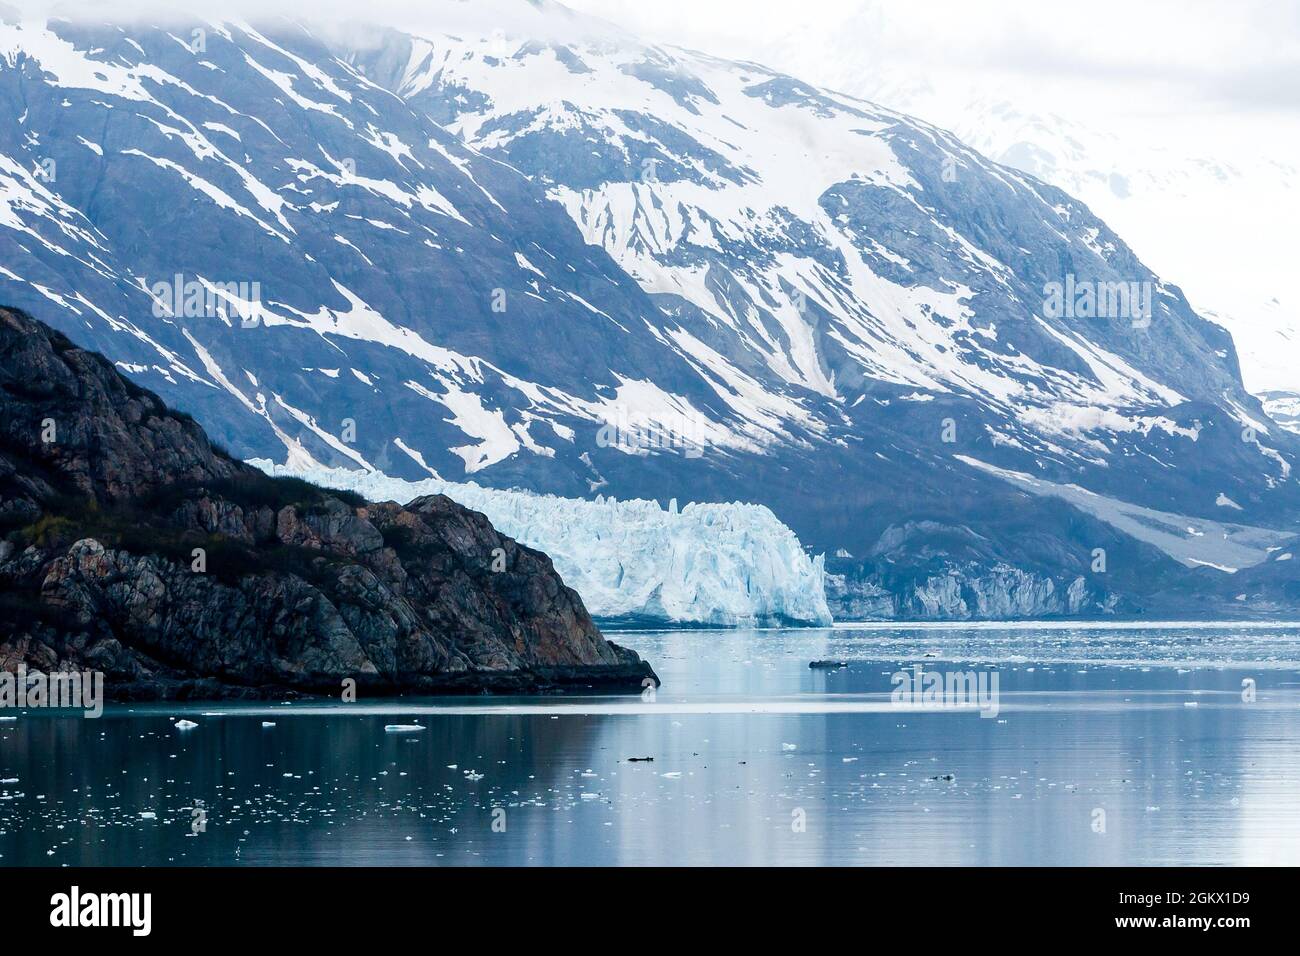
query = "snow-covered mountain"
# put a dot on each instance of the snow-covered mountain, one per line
(1207, 192)
(535, 251)
(1216, 212)
(713, 564)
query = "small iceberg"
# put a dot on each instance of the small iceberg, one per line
(403, 728)
(268, 723)
(185, 725)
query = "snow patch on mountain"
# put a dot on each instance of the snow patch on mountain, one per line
(1195, 542)
(729, 564)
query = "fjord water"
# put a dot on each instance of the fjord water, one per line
(1111, 745)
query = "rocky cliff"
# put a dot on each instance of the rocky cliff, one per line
(962, 594)
(132, 545)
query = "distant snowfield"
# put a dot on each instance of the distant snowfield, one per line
(731, 565)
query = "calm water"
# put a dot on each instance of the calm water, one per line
(757, 760)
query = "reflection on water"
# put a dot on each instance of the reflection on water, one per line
(1110, 746)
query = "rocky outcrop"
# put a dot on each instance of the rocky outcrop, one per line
(971, 593)
(931, 571)
(131, 545)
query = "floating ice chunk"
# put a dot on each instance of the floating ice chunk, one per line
(148, 815)
(268, 723)
(403, 728)
(789, 746)
(185, 724)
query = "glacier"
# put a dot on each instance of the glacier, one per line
(717, 564)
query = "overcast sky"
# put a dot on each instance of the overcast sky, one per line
(1090, 59)
(1197, 55)
(1157, 54)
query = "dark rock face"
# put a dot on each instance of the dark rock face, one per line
(973, 593)
(936, 571)
(134, 547)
